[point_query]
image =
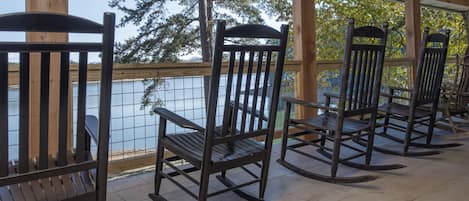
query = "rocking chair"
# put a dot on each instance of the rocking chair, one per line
(454, 99)
(67, 174)
(425, 92)
(354, 116)
(217, 149)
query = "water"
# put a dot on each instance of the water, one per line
(133, 127)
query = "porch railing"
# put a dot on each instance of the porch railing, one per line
(134, 129)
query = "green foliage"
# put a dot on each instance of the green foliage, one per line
(331, 25)
(164, 35)
(332, 20)
(439, 19)
(332, 16)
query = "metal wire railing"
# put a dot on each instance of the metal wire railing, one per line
(134, 128)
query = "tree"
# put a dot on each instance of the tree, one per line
(165, 36)
(331, 24)
(169, 29)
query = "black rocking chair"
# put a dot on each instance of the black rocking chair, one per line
(68, 174)
(233, 144)
(354, 116)
(425, 93)
(454, 97)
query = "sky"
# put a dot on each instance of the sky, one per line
(92, 10)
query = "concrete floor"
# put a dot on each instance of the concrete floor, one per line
(444, 177)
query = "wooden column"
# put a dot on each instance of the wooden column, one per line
(53, 6)
(413, 34)
(304, 37)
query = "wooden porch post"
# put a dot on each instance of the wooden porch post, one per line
(53, 6)
(304, 39)
(412, 26)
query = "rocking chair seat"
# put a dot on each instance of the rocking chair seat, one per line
(190, 146)
(402, 111)
(328, 121)
(74, 185)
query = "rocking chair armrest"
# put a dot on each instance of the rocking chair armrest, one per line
(331, 95)
(394, 96)
(308, 104)
(400, 89)
(176, 119)
(91, 127)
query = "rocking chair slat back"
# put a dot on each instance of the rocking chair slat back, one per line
(44, 112)
(4, 113)
(24, 114)
(361, 74)
(47, 164)
(247, 105)
(431, 66)
(82, 138)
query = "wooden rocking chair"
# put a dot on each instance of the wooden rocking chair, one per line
(426, 92)
(233, 144)
(66, 175)
(354, 116)
(454, 99)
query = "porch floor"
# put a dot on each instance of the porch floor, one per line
(435, 178)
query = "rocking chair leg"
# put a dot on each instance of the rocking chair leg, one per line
(203, 188)
(430, 129)
(159, 168)
(283, 150)
(386, 123)
(336, 154)
(264, 175)
(285, 132)
(159, 162)
(323, 141)
(369, 148)
(408, 135)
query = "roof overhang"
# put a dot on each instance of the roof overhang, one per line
(453, 5)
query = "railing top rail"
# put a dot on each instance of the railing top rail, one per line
(139, 71)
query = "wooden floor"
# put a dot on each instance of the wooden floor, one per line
(443, 177)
